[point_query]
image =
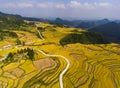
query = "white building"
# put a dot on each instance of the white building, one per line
(7, 47)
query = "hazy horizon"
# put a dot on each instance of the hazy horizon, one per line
(76, 9)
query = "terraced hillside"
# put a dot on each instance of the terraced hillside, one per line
(92, 64)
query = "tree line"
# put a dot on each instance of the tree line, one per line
(29, 55)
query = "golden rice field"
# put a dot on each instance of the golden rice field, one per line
(92, 65)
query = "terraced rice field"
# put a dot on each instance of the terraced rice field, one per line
(27, 73)
(92, 65)
(97, 66)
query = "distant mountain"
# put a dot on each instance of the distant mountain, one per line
(15, 15)
(91, 24)
(117, 21)
(35, 19)
(73, 23)
(9, 21)
(62, 22)
(110, 30)
(86, 24)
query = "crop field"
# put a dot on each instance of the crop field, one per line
(91, 65)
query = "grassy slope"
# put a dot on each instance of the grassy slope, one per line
(92, 65)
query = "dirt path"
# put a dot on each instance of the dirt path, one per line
(64, 71)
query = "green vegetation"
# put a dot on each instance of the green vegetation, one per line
(27, 53)
(10, 22)
(110, 30)
(7, 33)
(84, 38)
(94, 63)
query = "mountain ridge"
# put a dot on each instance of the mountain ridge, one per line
(110, 30)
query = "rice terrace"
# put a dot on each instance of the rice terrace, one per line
(58, 53)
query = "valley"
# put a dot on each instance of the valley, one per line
(37, 54)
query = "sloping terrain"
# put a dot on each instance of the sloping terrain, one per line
(9, 21)
(111, 31)
(84, 38)
(93, 64)
(92, 24)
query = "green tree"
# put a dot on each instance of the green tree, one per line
(10, 57)
(1, 36)
(30, 54)
(23, 43)
(18, 42)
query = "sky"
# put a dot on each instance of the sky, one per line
(88, 9)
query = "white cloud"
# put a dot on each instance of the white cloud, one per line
(74, 8)
(60, 6)
(75, 4)
(9, 5)
(72, 4)
(24, 5)
(86, 5)
(16, 5)
(49, 5)
(104, 4)
(42, 5)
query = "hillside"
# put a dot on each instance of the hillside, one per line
(52, 56)
(111, 31)
(91, 24)
(8, 21)
(83, 38)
